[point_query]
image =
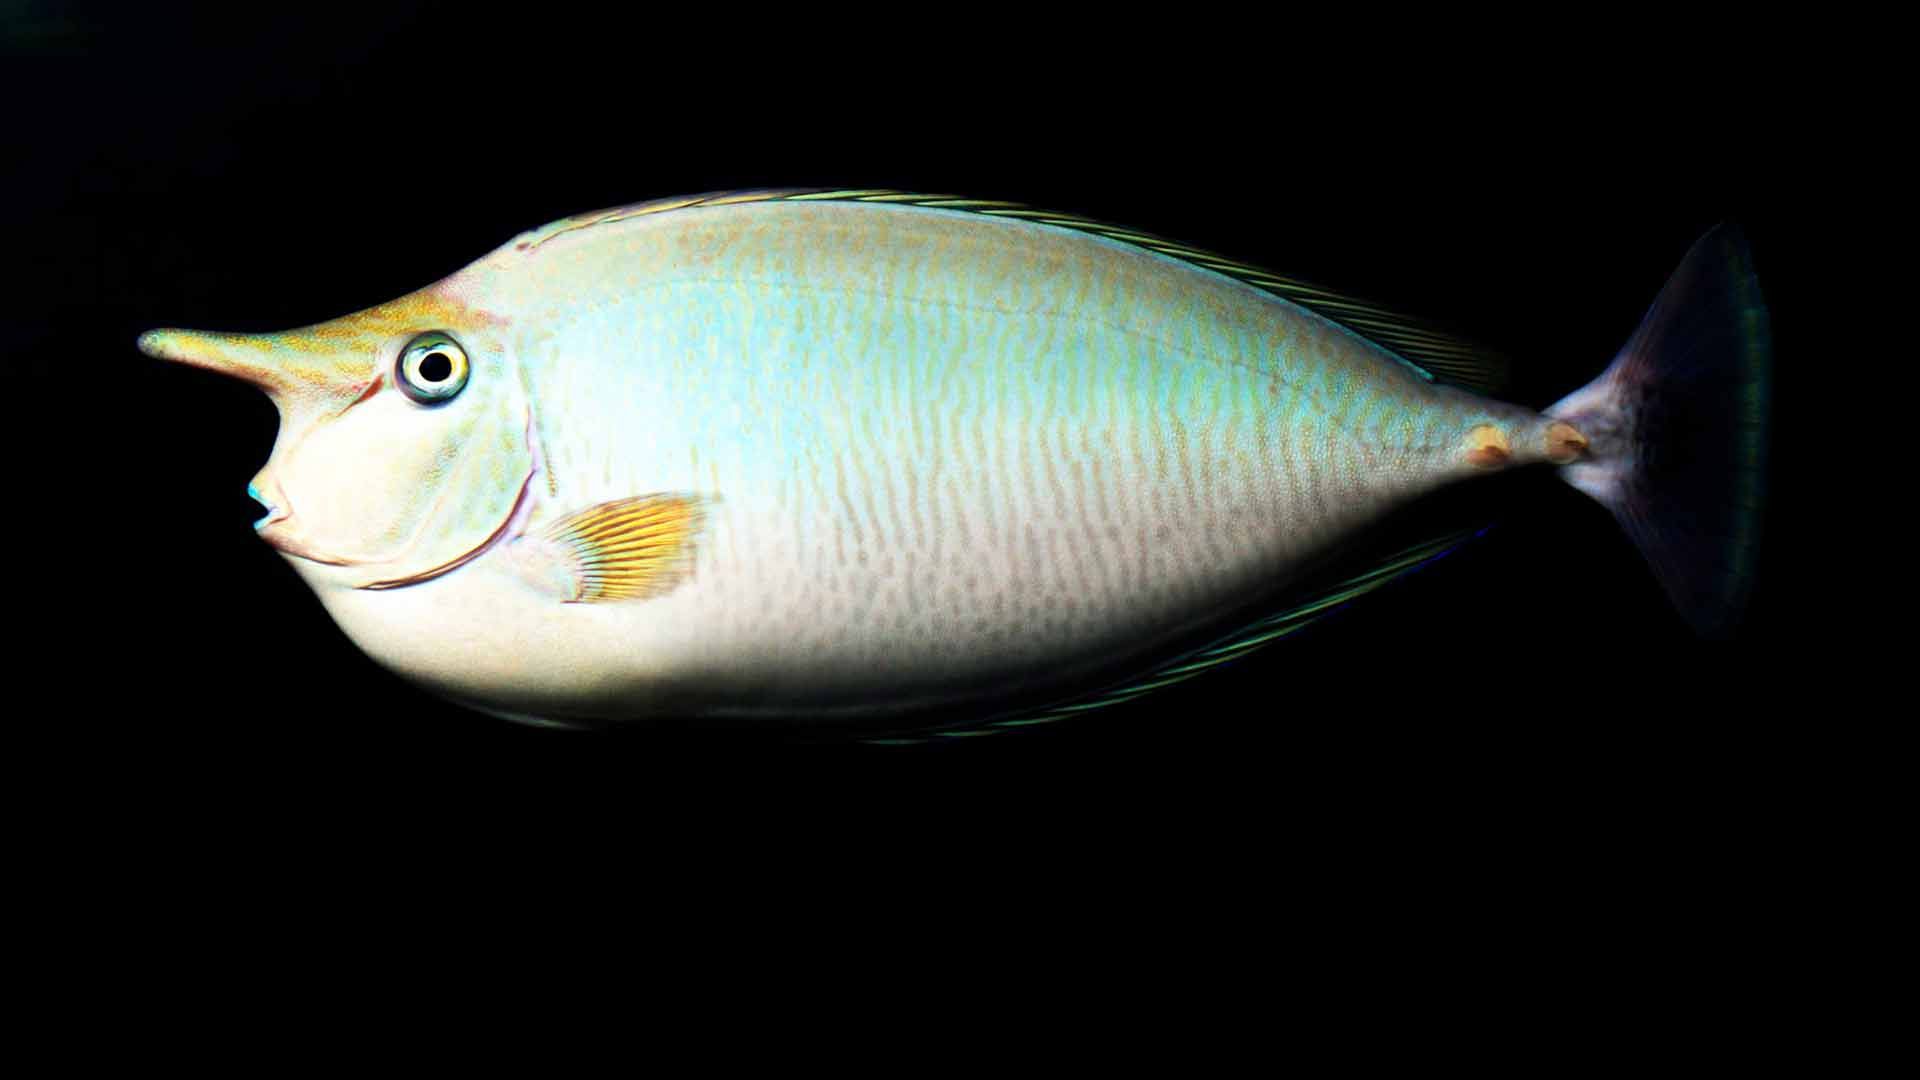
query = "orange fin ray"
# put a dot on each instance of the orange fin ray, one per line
(628, 549)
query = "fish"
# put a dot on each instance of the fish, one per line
(903, 466)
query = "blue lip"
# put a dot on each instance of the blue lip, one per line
(254, 493)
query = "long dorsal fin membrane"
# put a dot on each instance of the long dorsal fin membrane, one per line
(1248, 639)
(1435, 354)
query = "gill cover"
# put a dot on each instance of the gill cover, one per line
(367, 472)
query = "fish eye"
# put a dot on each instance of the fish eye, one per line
(432, 368)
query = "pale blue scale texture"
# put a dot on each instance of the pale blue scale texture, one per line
(952, 454)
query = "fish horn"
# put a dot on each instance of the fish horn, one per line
(312, 364)
(257, 358)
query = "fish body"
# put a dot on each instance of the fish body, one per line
(800, 458)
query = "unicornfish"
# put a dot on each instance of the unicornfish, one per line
(879, 462)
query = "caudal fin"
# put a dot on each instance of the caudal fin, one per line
(1677, 431)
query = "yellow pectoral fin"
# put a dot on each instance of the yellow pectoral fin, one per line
(628, 549)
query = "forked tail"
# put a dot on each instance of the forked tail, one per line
(1677, 431)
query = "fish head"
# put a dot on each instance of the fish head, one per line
(404, 448)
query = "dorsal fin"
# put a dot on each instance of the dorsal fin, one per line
(1255, 635)
(1435, 354)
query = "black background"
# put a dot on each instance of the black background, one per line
(1530, 703)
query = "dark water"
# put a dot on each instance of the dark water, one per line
(1531, 701)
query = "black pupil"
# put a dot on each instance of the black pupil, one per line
(435, 367)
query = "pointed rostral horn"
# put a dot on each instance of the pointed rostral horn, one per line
(284, 365)
(252, 357)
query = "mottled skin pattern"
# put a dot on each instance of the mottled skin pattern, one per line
(944, 458)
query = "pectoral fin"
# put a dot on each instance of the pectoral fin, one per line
(628, 549)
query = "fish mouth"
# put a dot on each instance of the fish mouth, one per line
(273, 514)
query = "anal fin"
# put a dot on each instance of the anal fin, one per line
(1311, 606)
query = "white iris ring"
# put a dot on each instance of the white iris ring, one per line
(432, 368)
